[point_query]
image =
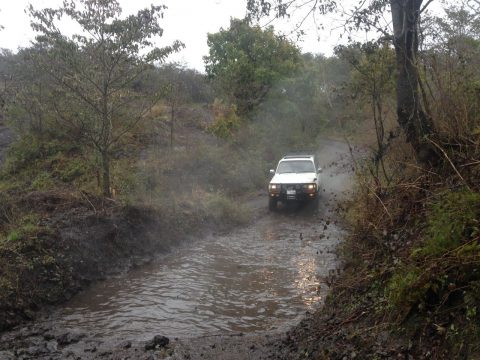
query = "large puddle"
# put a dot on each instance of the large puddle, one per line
(257, 278)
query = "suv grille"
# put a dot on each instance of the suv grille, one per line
(291, 187)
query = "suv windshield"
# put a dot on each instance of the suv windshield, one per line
(295, 166)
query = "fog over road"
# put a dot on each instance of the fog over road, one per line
(258, 280)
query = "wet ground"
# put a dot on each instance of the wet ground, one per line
(253, 279)
(256, 280)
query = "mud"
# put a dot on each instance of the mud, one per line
(225, 296)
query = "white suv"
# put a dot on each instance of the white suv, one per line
(297, 178)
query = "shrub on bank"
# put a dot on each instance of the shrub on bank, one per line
(414, 255)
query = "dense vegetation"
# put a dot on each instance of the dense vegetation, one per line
(108, 127)
(410, 286)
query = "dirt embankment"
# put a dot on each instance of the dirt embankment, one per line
(78, 245)
(77, 240)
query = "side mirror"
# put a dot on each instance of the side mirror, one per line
(272, 172)
(319, 170)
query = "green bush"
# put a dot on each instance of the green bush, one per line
(46, 164)
(445, 258)
(452, 222)
(43, 181)
(225, 210)
(25, 152)
(25, 227)
(14, 236)
(226, 125)
(73, 169)
(404, 290)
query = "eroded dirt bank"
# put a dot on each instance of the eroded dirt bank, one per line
(278, 245)
(76, 243)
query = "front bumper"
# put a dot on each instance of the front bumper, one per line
(293, 192)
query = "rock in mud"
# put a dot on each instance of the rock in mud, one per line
(158, 341)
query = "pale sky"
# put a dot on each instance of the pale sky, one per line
(186, 20)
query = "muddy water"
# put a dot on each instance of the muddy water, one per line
(256, 278)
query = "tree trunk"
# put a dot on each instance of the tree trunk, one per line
(414, 122)
(172, 124)
(106, 174)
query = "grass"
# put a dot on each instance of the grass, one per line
(452, 221)
(34, 165)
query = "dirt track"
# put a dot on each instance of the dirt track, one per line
(292, 238)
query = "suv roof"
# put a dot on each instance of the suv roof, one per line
(298, 156)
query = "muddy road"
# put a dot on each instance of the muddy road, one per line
(224, 296)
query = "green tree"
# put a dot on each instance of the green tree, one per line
(6, 60)
(405, 14)
(451, 74)
(29, 91)
(174, 92)
(373, 82)
(245, 61)
(92, 71)
(298, 108)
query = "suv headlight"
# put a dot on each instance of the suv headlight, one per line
(274, 188)
(310, 187)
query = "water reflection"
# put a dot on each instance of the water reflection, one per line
(255, 279)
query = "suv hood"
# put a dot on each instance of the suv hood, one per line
(294, 178)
